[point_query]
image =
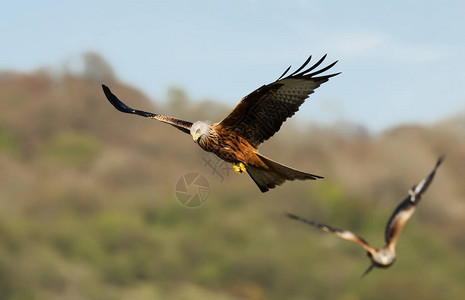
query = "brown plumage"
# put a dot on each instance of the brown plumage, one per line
(385, 256)
(255, 119)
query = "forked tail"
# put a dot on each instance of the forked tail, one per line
(276, 174)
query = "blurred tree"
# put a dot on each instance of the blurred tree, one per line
(97, 68)
(178, 100)
(87, 208)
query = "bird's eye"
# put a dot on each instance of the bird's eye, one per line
(197, 131)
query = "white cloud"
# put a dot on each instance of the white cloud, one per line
(355, 43)
(382, 45)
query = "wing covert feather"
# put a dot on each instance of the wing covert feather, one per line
(260, 115)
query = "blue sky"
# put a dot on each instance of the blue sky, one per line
(401, 61)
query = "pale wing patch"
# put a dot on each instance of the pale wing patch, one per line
(346, 235)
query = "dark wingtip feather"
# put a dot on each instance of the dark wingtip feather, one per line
(109, 94)
(302, 66)
(425, 183)
(106, 90)
(332, 75)
(115, 101)
(322, 70)
(264, 189)
(305, 72)
(292, 216)
(440, 159)
(287, 70)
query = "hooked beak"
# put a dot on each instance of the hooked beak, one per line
(196, 137)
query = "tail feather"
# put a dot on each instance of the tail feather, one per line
(276, 174)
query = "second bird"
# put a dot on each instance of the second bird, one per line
(385, 256)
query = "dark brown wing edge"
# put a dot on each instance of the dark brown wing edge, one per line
(184, 126)
(306, 73)
(344, 234)
(397, 219)
(241, 109)
(240, 117)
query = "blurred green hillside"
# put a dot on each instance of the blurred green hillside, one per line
(88, 207)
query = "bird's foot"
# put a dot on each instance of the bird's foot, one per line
(237, 169)
(240, 168)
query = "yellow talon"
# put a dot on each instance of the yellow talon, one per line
(237, 169)
(240, 168)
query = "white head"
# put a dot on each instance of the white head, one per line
(200, 128)
(384, 257)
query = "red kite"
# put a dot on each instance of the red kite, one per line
(254, 120)
(385, 256)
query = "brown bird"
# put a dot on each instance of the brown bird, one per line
(385, 256)
(255, 119)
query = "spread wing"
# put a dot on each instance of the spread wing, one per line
(345, 234)
(260, 114)
(179, 124)
(406, 208)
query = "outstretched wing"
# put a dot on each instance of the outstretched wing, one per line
(345, 234)
(406, 208)
(260, 114)
(179, 124)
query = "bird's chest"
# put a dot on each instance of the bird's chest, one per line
(384, 260)
(229, 148)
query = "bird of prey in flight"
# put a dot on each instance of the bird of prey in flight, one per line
(255, 119)
(385, 256)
